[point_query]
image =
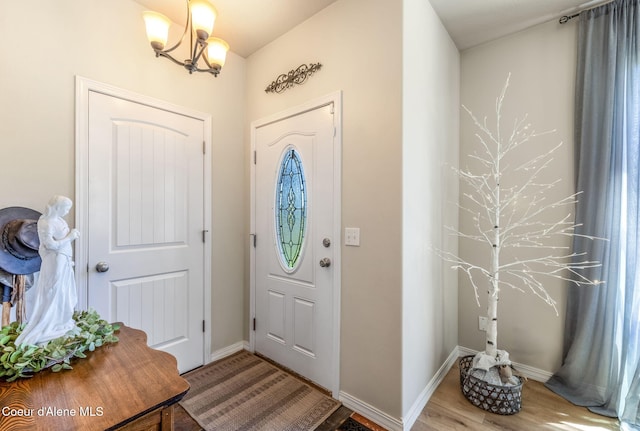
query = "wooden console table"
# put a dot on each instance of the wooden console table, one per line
(120, 386)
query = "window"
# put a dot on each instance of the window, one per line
(291, 209)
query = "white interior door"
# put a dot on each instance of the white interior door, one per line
(297, 247)
(145, 223)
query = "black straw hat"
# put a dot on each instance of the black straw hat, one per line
(19, 240)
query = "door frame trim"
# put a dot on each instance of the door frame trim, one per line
(334, 98)
(83, 87)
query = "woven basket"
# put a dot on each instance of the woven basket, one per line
(502, 400)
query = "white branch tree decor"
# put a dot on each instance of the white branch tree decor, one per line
(514, 216)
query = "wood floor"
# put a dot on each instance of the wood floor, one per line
(449, 410)
(542, 409)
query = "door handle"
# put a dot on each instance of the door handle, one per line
(325, 262)
(102, 267)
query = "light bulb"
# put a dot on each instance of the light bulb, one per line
(157, 29)
(203, 16)
(216, 52)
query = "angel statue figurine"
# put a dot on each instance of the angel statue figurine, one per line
(56, 296)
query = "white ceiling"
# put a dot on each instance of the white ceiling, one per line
(248, 25)
(472, 22)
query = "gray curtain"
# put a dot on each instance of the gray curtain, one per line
(601, 367)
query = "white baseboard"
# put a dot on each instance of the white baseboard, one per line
(425, 395)
(528, 371)
(370, 412)
(228, 351)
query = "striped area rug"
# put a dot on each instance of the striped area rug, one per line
(244, 392)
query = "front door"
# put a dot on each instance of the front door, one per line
(145, 223)
(297, 242)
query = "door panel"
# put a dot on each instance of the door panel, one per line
(145, 217)
(294, 212)
(155, 304)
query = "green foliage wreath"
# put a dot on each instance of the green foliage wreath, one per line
(24, 360)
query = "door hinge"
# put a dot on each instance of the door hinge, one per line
(204, 235)
(254, 323)
(204, 147)
(255, 239)
(255, 157)
(203, 326)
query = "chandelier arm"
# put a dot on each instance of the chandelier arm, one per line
(211, 69)
(168, 56)
(184, 33)
(206, 61)
(198, 50)
(192, 67)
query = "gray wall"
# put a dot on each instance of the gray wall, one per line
(542, 63)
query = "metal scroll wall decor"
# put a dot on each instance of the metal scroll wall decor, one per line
(297, 76)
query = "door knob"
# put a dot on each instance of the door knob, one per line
(325, 262)
(102, 267)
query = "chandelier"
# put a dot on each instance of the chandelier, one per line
(201, 16)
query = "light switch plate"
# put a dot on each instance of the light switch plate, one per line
(352, 236)
(482, 323)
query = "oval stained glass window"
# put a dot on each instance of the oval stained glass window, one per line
(291, 209)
